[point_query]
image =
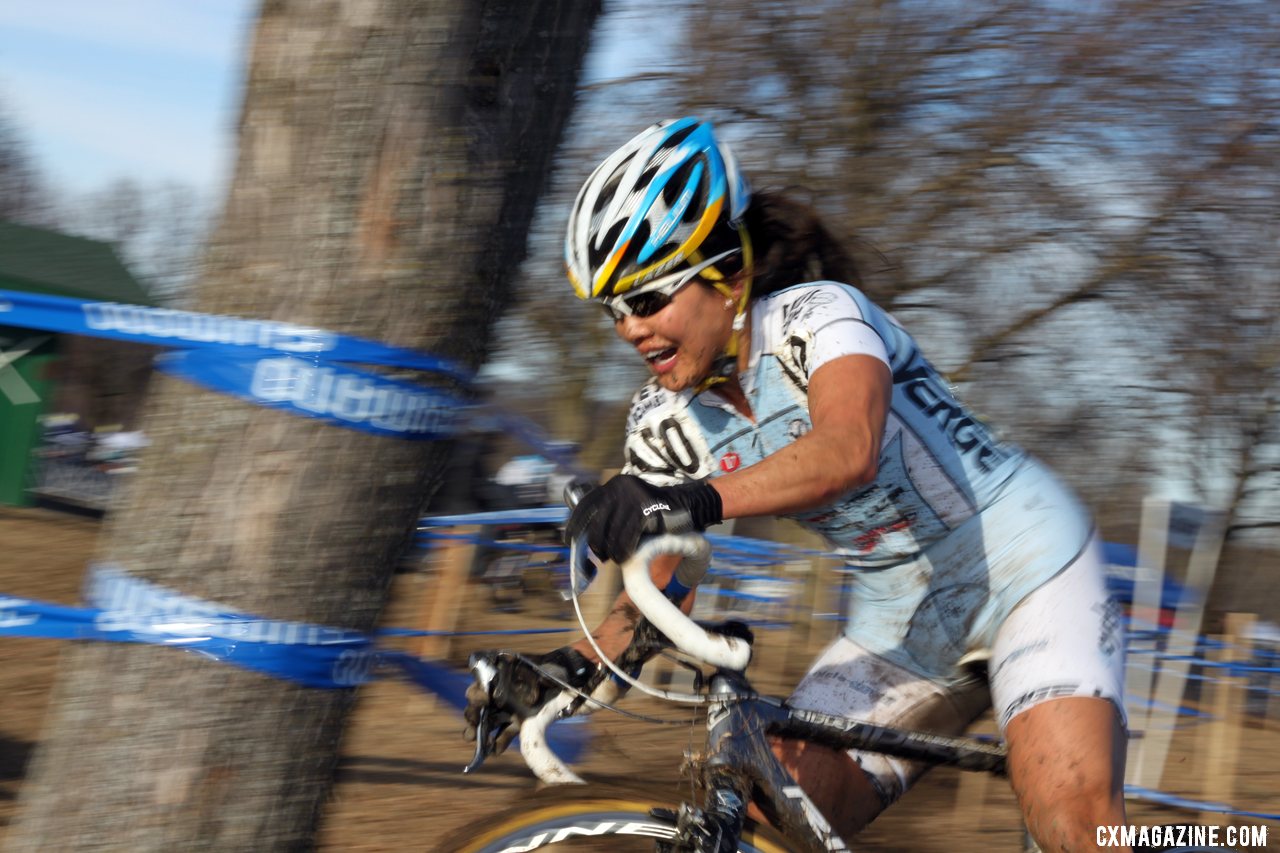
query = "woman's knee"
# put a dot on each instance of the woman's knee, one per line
(1066, 764)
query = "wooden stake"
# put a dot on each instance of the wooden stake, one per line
(1226, 705)
(444, 595)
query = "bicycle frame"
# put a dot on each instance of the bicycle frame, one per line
(740, 767)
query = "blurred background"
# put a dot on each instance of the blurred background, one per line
(1073, 206)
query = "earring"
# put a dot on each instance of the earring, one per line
(728, 303)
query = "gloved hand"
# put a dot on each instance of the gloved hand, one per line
(615, 515)
(520, 690)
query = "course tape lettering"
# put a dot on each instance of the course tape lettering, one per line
(125, 609)
(338, 659)
(128, 609)
(338, 395)
(298, 369)
(135, 611)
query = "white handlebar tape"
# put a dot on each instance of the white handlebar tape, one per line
(687, 635)
(535, 750)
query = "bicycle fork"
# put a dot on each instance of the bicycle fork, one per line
(739, 758)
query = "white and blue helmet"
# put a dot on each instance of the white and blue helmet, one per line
(662, 208)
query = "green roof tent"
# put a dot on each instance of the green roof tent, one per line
(36, 260)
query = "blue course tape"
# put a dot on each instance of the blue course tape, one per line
(338, 395)
(279, 365)
(189, 330)
(538, 515)
(496, 544)
(413, 632)
(131, 610)
(1236, 667)
(729, 545)
(1138, 792)
(305, 654)
(128, 609)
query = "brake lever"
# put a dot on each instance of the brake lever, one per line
(483, 747)
(489, 728)
(492, 722)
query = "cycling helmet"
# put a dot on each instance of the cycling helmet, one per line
(661, 209)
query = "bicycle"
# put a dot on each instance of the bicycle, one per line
(738, 766)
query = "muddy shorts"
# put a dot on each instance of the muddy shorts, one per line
(1063, 638)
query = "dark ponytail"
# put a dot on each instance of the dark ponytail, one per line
(791, 245)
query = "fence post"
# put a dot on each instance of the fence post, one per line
(444, 594)
(1148, 583)
(1226, 705)
(1161, 716)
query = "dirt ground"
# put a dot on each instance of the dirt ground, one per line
(400, 785)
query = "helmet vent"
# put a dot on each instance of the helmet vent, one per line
(641, 237)
(600, 252)
(677, 182)
(649, 205)
(681, 135)
(607, 193)
(649, 174)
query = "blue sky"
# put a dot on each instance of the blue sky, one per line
(102, 89)
(149, 89)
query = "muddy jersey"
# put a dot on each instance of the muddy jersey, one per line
(939, 465)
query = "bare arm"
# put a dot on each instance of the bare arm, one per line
(848, 405)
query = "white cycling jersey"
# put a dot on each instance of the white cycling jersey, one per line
(939, 464)
(957, 528)
(967, 548)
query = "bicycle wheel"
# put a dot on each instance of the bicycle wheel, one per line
(566, 820)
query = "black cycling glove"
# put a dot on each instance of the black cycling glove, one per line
(614, 516)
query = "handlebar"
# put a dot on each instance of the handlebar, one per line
(684, 633)
(687, 635)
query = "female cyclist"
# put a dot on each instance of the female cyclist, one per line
(779, 389)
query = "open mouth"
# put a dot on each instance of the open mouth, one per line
(661, 360)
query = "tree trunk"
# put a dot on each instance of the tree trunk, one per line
(390, 154)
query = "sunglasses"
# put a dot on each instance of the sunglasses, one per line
(648, 302)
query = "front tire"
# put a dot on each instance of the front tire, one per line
(563, 819)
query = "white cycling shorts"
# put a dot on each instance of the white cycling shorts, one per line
(1064, 639)
(945, 604)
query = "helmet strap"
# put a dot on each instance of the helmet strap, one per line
(725, 365)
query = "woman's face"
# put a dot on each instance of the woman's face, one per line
(681, 342)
